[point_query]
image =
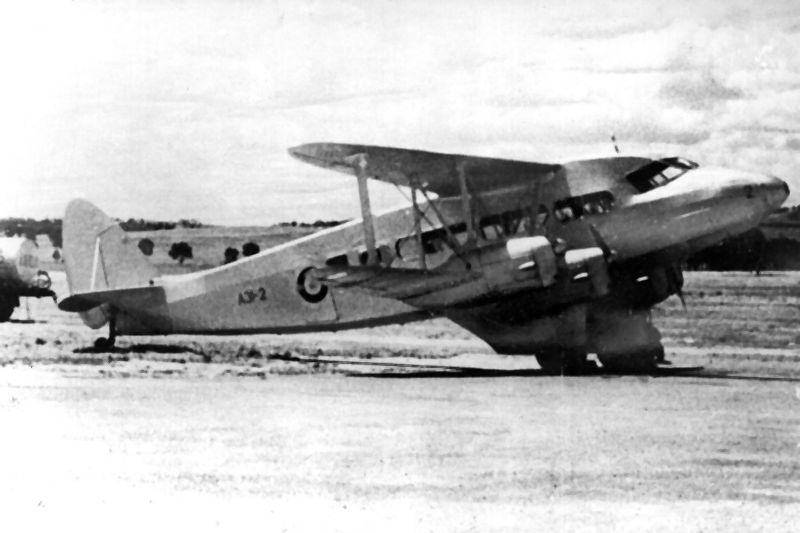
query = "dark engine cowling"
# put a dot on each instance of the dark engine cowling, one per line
(647, 288)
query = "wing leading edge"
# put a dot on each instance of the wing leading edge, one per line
(433, 171)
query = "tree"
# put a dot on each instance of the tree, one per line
(146, 246)
(250, 248)
(231, 255)
(180, 251)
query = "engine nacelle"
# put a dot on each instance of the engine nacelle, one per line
(591, 262)
(527, 253)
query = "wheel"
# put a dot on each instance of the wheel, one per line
(563, 361)
(103, 343)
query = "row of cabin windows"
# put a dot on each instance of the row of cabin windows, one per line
(575, 207)
(493, 227)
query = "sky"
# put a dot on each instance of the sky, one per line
(174, 109)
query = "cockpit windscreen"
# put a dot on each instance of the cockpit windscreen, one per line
(659, 172)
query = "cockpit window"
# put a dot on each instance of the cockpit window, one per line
(660, 172)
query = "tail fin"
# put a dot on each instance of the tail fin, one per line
(98, 255)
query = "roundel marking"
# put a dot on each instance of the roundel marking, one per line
(311, 289)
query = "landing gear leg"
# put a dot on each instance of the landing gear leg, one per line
(564, 361)
(625, 340)
(633, 363)
(104, 343)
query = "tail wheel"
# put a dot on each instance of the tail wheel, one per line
(310, 288)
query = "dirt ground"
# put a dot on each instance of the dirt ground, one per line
(219, 433)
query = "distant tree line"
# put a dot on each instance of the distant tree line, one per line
(30, 228)
(248, 249)
(790, 213)
(140, 224)
(750, 251)
(181, 251)
(315, 224)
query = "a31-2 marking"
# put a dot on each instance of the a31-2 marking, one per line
(249, 296)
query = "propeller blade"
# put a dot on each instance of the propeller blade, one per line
(683, 301)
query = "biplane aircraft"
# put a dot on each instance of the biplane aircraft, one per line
(20, 275)
(553, 260)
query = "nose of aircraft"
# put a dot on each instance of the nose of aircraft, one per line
(770, 191)
(777, 191)
(773, 190)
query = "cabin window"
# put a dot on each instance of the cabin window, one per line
(575, 207)
(660, 172)
(337, 261)
(433, 242)
(504, 224)
(542, 216)
(564, 212)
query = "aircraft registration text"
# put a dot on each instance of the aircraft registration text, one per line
(249, 296)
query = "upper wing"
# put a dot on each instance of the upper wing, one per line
(434, 171)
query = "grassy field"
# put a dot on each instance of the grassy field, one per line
(734, 309)
(208, 244)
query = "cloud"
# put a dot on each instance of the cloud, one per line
(698, 90)
(197, 102)
(792, 143)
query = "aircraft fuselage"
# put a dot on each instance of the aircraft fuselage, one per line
(595, 210)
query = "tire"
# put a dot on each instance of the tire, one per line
(103, 344)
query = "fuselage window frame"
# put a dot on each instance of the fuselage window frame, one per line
(659, 172)
(576, 207)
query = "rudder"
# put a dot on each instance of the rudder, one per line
(98, 255)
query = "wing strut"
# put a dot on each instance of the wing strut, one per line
(466, 202)
(359, 163)
(418, 227)
(533, 227)
(452, 241)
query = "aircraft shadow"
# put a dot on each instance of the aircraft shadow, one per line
(450, 374)
(689, 372)
(421, 371)
(170, 349)
(462, 372)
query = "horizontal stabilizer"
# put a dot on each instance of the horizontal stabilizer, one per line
(130, 299)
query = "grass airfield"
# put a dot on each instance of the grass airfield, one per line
(220, 432)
